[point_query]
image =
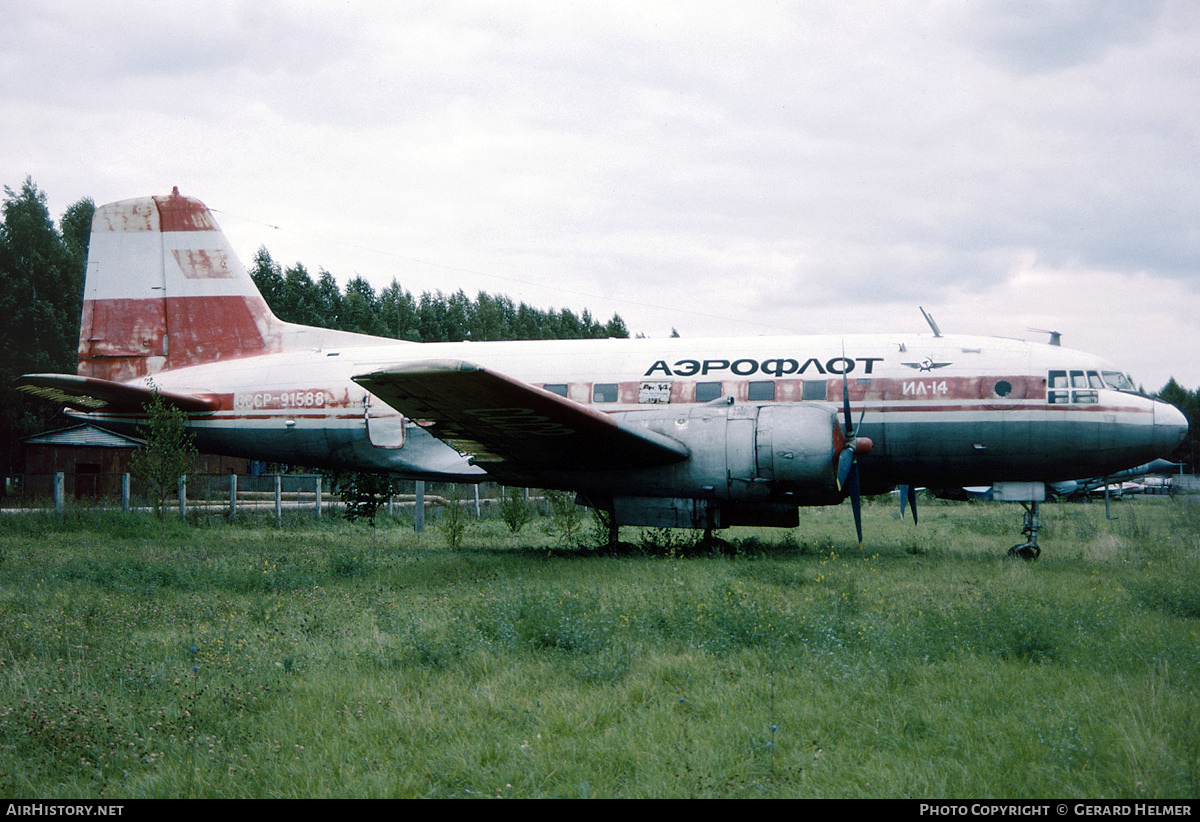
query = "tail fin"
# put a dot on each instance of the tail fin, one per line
(165, 290)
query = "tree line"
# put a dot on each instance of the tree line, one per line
(295, 296)
(42, 266)
(1189, 403)
(41, 297)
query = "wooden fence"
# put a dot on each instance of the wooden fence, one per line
(227, 494)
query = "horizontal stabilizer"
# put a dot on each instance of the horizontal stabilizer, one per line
(515, 426)
(93, 394)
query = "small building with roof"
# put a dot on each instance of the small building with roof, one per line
(93, 460)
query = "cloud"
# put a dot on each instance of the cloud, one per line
(1048, 35)
(823, 166)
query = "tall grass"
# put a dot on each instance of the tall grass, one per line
(240, 660)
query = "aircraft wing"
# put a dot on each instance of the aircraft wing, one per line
(511, 427)
(94, 394)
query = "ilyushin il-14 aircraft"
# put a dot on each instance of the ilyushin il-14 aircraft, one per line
(693, 433)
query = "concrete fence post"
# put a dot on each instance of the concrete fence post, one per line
(419, 510)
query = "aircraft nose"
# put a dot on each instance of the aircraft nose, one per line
(1170, 427)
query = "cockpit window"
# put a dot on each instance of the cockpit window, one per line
(1079, 386)
(1056, 384)
(1119, 381)
(1064, 387)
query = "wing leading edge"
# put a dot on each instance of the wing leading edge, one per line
(508, 426)
(94, 394)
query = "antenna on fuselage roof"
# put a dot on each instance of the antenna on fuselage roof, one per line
(937, 332)
(1055, 336)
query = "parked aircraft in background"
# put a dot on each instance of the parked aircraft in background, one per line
(696, 433)
(1129, 481)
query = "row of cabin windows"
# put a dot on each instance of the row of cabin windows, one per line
(757, 391)
(760, 391)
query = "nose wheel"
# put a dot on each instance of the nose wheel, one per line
(1028, 550)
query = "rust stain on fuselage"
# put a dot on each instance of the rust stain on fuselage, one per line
(203, 264)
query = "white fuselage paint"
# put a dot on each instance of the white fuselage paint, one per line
(168, 305)
(930, 404)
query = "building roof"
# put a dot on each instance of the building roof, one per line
(84, 434)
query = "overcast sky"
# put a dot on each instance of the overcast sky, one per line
(718, 168)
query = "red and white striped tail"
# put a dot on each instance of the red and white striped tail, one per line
(164, 290)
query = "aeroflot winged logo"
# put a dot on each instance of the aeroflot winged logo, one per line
(926, 364)
(771, 367)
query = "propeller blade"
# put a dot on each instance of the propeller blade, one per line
(847, 467)
(845, 464)
(846, 407)
(908, 494)
(856, 501)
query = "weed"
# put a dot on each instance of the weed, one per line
(346, 563)
(515, 509)
(453, 521)
(572, 624)
(566, 518)
(821, 546)
(667, 542)
(1177, 596)
(1131, 524)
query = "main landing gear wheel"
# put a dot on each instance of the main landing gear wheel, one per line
(712, 543)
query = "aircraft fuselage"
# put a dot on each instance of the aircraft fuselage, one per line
(949, 410)
(698, 433)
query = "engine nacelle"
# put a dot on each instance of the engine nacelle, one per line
(796, 447)
(752, 465)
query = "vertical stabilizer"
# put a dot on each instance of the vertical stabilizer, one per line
(165, 290)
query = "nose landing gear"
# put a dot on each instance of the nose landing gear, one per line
(1028, 550)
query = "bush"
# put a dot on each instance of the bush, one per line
(453, 521)
(515, 509)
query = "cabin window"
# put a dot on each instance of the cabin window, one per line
(605, 392)
(708, 391)
(813, 390)
(761, 391)
(559, 388)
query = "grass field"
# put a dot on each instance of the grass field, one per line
(329, 660)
